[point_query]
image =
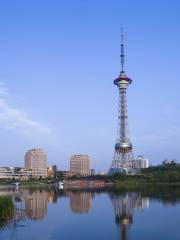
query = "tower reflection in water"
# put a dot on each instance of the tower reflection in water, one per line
(124, 206)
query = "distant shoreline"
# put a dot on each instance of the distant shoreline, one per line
(89, 184)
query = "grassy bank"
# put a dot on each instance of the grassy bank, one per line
(30, 183)
(135, 184)
(6, 210)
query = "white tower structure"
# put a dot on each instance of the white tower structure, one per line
(123, 159)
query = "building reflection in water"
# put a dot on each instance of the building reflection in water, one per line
(124, 206)
(52, 196)
(35, 202)
(80, 202)
(36, 205)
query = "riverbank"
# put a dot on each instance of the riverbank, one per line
(28, 183)
(138, 185)
(126, 184)
(163, 175)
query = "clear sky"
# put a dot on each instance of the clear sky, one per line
(58, 60)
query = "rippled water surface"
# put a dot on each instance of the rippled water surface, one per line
(51, 214)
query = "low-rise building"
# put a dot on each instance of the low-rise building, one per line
(16, 173)
(6, 173)
(66, 174)
(141, 162)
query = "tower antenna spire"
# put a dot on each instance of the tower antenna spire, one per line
(122, 51)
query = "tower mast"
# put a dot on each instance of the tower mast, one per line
(122, 50)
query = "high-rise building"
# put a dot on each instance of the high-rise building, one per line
(80, 164)
(123, 153)
(36, 160)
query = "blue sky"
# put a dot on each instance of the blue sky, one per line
(58, 60)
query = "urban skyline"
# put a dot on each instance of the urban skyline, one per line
(36, 166)
(56, 80)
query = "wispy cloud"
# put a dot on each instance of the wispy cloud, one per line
(17, 120)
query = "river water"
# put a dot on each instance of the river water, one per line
(51, 214)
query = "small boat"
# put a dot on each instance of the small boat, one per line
(60, 185)
(16, 184)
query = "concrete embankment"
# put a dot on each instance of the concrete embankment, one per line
(82, 184)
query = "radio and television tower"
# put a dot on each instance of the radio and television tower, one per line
(123, 159)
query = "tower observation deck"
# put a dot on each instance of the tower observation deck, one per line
(123, 159)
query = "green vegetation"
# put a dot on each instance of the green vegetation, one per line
(31, 182)
(5, 182)
(165, 174)
(34, 182)
(7, 210)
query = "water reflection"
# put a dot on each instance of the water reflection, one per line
(80, 202)
(36, 204)
(124, 206)
(32, 204)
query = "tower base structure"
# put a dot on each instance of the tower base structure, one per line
(124, 162)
